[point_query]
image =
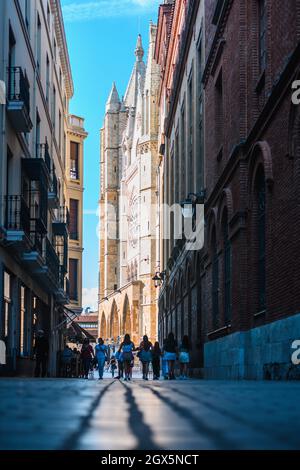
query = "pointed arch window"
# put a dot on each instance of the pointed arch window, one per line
(227, 269)
(261, 238)
(215, 280)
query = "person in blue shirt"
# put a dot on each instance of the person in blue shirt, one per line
(127, 348)
(101, 355)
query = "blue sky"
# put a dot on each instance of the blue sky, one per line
(101, 37)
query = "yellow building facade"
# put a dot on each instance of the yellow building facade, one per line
(75, 137)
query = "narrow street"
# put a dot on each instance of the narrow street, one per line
(53, 414)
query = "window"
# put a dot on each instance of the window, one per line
(177, 167)
(219, 111)
(191, 133)
(227, 269)
(22, 321)
(27, 14)
(59, 129)
(261, 237)
(215, 281)
(38, 129)
(218, 11)
(39, 44)
(147, 113)
(183, 142)
(54, 110)
(74, 219)
(54, 50)
(47, 79)
(48, 15)
(200, 140)
(7, 303)
(74, 163)
(73, 277)
(262, 34)
(64, 149)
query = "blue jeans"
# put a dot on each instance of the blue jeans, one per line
(101, 362)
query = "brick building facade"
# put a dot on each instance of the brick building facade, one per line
(180, 54)
(249, 272)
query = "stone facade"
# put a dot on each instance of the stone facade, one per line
(127, 296)
(33, 212)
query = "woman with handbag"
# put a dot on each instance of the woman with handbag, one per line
(127, 348)
(184, 357)
(145, 355)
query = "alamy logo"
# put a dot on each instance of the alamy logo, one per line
(296, 354)
(296, 94)
(2, 92)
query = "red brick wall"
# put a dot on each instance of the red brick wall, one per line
(243, 106)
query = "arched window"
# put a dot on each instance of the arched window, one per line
(215, 280)
(260, 188)
(227, 275)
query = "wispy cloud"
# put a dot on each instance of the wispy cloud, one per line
(91, 10)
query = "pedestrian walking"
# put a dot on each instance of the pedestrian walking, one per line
(87, 354)
(184, 357)
(164, 362)
(113, 366)
(127, 348)
(145, 355)
(67, 356)
(101, 356)
(171, 354)
(119, 358)
(156, 355)
(41, 351)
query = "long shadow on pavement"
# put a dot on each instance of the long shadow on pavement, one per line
(72, 441)
(201, 428)
(139, 428)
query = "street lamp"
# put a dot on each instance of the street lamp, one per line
(188, 206)
(157, 280)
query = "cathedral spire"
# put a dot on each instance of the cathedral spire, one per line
(113, 102)
(139, 51)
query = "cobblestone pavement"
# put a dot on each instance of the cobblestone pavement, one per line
(107, 415)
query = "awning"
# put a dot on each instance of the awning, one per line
(77, 334)
(69, 315)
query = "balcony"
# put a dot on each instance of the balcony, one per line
(23, 234)
(18, 100)
(53, 196)
(61, 222)
(62, 294)
(49, 273)
(42, 153)
(17, 221)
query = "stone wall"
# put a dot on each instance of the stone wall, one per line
(261, 353)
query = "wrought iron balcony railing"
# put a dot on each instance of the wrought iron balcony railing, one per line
(42, 152)
(63, 216)
(18, 87)
(17, 214)
(52, 261)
